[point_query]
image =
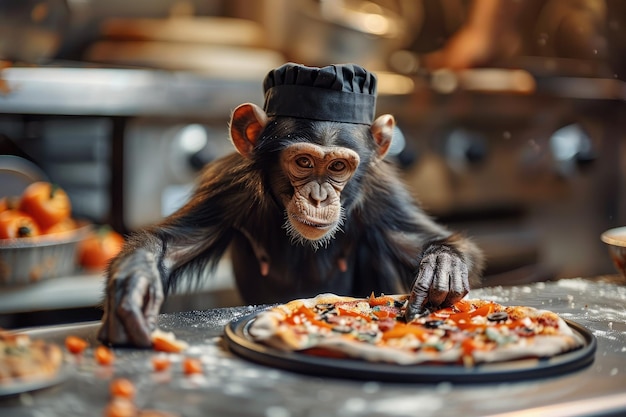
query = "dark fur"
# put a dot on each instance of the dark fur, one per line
(383, 237)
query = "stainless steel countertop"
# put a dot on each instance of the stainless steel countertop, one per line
(234, 386)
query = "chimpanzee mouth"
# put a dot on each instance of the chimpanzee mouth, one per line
(325, 232)
(315, 225)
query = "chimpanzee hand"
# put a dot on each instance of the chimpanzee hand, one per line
(442, 280)
(134, 295)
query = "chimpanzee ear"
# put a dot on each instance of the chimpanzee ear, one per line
(246, 124)
(382, 130)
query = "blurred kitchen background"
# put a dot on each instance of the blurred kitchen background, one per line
(122, 103)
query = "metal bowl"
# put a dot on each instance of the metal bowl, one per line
(28, 260)
(616, 241)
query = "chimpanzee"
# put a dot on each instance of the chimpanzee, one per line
(308, 204)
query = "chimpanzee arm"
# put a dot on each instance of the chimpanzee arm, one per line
(154, 259)
(435, 264)
(448, 267)
(134, 294)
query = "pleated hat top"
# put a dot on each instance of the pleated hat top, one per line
(339, 93)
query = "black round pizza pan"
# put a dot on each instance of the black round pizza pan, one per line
(241, 343)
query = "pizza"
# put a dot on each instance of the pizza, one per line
(23, 359)
(472, 331)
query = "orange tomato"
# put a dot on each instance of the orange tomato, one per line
(122, 387)
(156, 413)
(383, 300)
(468, 346)
(60, 227)
(15, 224)
(465, 317)
(353, 313)
(192, 366)
(8, 203)
(483, 311)
(382, 314)
(47, 203)
(463, 306)
(160, 363)
(75, 344)
(120, 407)
(95, 251)
(104, 355)
(400, 330)
(167, 342)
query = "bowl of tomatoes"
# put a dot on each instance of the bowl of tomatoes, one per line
(39, 239)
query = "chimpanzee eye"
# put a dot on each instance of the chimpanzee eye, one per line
(337, 166)
(304, 162)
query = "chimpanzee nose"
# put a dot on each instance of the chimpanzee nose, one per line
(319, 194)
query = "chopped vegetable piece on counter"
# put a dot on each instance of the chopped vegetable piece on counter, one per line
(160, 363)
(75, 344)
(192, 366)
(167, 342)
(120, 407)
(122, 387)
(104, 355)
(156, 413)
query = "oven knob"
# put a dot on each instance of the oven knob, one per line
(463, 147)
(572, 149)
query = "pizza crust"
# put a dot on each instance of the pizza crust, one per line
(538, 347)
(271, 328)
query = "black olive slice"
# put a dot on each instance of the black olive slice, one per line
(498, 316)
(433, 324)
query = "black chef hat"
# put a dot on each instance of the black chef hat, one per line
(339, 93)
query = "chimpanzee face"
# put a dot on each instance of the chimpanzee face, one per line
(317, 175)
